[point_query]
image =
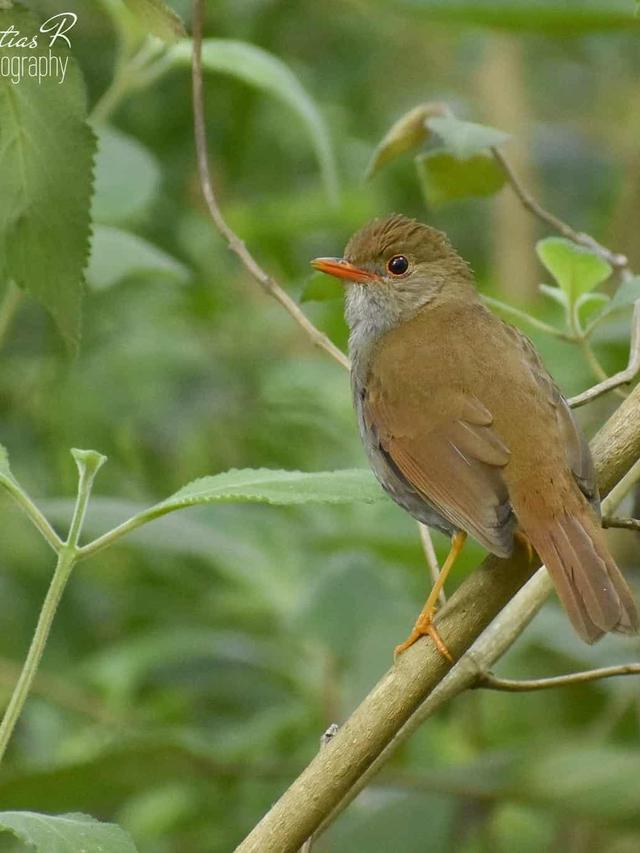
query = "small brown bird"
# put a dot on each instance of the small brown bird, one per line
(464, 427)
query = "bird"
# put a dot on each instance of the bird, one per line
(464, 427)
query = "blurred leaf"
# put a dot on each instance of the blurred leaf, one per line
(67, 833)
(261, 69)
(158, 18)
(409, 131)
(591, 302)
(465, 138)
(118, 255)
(321, 288)
(46, 155)
(627, 294)
(127, 177)
(576, 269)
(5, 470)
(567, 17)
(281, 488)
(555, 293)
(444, 177)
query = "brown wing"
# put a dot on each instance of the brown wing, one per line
(576, 446)
(452, 455)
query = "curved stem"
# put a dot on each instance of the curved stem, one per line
(88, 463)
(492, 682)
(36, 649)
(31, 511)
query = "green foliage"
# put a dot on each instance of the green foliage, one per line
(276, 487)
(117, 255)
(577, 270)
(46, 152)
(444, 177)
(463, 139)
(567, 17)
(405, 134)
(264, 71)
(67, 833)
(158, 18)
(127, 178)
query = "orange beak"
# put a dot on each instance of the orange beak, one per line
(340, 268)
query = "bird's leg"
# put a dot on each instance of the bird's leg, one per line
(424, 623)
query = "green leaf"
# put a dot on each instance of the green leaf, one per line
(282, 488)
(118, 255)
(158, 18)
(576, 269)
(46, 155)
(627, 294)
(127, 178)
(265, 71)
(321, 288)
(67, 833)
(569, 17)
(444, 177)
(554, 293)
(465, 138)
(5, 470)
(408, 132)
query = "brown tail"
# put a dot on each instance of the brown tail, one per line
(590, 585)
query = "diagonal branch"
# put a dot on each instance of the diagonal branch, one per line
(388, 713)
(617, 261)
(237, 246)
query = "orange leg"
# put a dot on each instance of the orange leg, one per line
(424, 623)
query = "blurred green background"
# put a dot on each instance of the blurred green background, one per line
(193, 667)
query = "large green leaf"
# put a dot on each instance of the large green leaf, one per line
(158, 18)
(444, 177)
(127, 177)
(262, 485)
(117, 255)
(570, 17)
(46, 154)
(577, 269)
(265, 71)
(67, 833)
(405, 134)
(463, 139)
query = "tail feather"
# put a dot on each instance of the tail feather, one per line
(590, 585)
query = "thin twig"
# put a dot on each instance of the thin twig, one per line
(431, 558)
(618, 262)
(492, 682)
(624, 376)
(266, 282)
(517, 314)
(622, 523)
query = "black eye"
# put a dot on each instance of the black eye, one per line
(398, 265)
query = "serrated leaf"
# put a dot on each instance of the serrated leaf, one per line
(283, 488)
(117, 255)
(158, 19)
(67, 833)
(127, 177)
(576, 269)
(261, 69)
(463, 139)
(408, 132)
(321, 288)
(444, 177)
(46, 155)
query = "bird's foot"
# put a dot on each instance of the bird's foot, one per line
(424, 627)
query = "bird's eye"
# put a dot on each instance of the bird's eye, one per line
(398, 265)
